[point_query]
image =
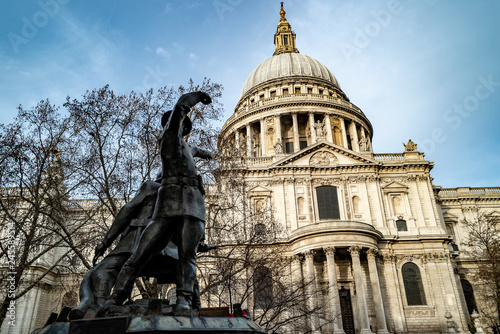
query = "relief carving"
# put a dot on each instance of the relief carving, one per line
(323, 159)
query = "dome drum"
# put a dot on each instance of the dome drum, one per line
(287, 129)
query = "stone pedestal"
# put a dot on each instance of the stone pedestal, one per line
(152, 325)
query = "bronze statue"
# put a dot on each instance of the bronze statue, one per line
(179, 213)
(129, 223)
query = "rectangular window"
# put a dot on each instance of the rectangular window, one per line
(321, 91)
(261, 97)
(297, 90)
(289, 147)
(401, 225)
(309, 90)
(273, 93)
(328, 203)
(286, 39)
(285, 91)
(303, 144)
(263, 288)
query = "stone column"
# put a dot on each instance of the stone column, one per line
(249, 141)
(333, 291)
(296, 143)
(377, 293)
(297, 278)
(263, 137)
(328, 125)
(354, 137)
(277, 120)
(363, 133)
(344, 132)
(310, 290)
(360, 290)
(311, 128)
(237, 139)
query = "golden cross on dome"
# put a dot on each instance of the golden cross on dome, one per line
(282, 13)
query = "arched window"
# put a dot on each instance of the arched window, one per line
(355, 204)
(413, 284)
(337, 136)
(328, 203)
(469, 295)
(263, 288)
(270, 140)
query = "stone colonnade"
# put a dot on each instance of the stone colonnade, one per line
(352, 135)
(333, 291)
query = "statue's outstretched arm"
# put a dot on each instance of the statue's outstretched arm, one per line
(182, 108)
(201, 153)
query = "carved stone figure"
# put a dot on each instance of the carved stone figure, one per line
(179, 213)
(363, 144)
(278, 146)
(410, 147)
(255, 146)
(319, 128)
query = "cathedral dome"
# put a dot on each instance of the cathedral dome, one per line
(289, 102)
(289, 64)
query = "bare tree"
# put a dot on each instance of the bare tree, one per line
(252, 265)
(483, 246)
(64, 179)
(36, 238)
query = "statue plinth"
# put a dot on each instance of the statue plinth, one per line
(154, 324)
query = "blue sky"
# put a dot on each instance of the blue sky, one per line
(426, 70)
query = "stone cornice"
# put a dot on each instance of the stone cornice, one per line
(377, 168)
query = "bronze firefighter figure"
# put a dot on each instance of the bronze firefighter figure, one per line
(179, 211)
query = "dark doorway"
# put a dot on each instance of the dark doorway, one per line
(346, 308)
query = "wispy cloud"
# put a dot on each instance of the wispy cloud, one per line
(162, 52)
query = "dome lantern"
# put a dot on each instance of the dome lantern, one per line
(284, 38)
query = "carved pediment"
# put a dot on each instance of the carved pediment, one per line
(258, 191)
(395, 187)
